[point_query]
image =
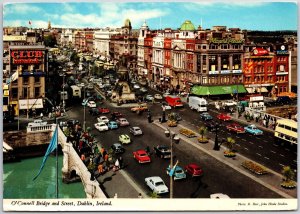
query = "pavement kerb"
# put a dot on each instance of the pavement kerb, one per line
(133, 184)
(223, 160)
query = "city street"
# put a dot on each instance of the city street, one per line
(216, 174)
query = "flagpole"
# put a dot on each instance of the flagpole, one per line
(56, 159)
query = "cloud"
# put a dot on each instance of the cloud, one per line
(20, 8)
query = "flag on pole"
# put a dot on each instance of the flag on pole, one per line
(52, 146)
(172, 171)
(13, 77)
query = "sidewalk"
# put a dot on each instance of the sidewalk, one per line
(271, 180)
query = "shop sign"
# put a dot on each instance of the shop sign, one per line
(282, 51)
(26, 57)
(256, 98)
(237, 71)
(213, 72)
(5, 93)
(225, 71)
(260, 52)
(226, 41)
(31, 103)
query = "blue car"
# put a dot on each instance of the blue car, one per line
(112, 125)
(252, 129)
(178, 173)
(206, 116)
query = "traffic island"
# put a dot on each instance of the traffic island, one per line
(229, 154)
(289, 184)
(254, 167)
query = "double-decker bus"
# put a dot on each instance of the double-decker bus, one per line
(286, 132)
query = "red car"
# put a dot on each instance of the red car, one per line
(141, 156)
(193, 169)
(224, 117)
(234, 127)
(103, 110)
(116, 115)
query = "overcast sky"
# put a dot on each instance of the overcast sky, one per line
(251, 15)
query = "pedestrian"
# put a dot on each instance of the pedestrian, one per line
(116, 195)
(121, 162)
(140, 195)
(102, 150)
(42, 115)
(117, 165)
(100, 168)
(82, 157)
(106, 157)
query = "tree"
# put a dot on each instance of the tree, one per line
(202, 131)
(230, 143)
(288, 173)
(50, 41)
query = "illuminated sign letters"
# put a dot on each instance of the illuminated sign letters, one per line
(27, 57)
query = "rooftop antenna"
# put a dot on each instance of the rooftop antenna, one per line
(201, 24)
(160, 23)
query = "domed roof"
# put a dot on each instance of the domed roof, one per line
(127, 23)
(187, 26)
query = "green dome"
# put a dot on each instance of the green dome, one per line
(187, 26)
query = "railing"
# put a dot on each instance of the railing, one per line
(42, 128)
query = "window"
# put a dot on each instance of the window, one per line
(14, 92)
(36, 79)
(36, 91)
(25, 92)
(204, 47)
(25, 80)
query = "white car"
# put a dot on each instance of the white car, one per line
(158, 96)
(156, 184)
(166, 94)
(103, 119)
(136, 130)
(229, 103)
(166, 106)
(101, 126)
(91, 104)
(136, 86)
(219, 196)
(149, 97)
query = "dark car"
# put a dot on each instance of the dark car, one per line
(94, 111)
(283, 100)
(210, 125)
(162, 151)
(206, 116)
(72, 122)
(116, 115)
(117, 148)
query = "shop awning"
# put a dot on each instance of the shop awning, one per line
(250, 90)
(217, 90)
(256, 90)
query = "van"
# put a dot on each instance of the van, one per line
(283, 100)
(174, 101)
(197, 103)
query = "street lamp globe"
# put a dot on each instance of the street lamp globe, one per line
(167, 133)
(176, 139)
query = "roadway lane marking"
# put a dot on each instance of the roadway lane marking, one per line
(287, 149)
(267, 158)
(275, 145)
(238, 144)
(265, 141)
(260, 146)
(273, 152)
(281, 164)
(281, 155)
(251, 142)
(258, 154)
(246, 148)
(243, 140)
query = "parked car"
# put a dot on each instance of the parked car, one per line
(135, 131)
(252, 129)
(193, 169)
(141, 156)
(117, 148)
(206, 116)
(178, 173)
(166, 94)
(136, 86)
(94, 111)
(91, 104)
(234, 127)
(139, 108)
(116, 115)
(112, 125)
(166, 106)
(122, 122)
(162, 151)
(149, 97)
(143, 90)
(124, 139)
(156, 184)
(103, 119)
(86, 100)
(101, 126)
(210, 125)
(158, 97)
(224, 117)
(103, 110)
(72, 122)
(90, 86)
(176, 116)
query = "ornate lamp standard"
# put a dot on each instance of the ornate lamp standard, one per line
(173, 138)
(217, 146)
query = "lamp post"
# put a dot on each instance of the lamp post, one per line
(84, 109)
(28, 101)
(173, 138)
(63, 102)
(216, 146)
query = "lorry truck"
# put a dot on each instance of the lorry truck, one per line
(198, 103)
(174, 101)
